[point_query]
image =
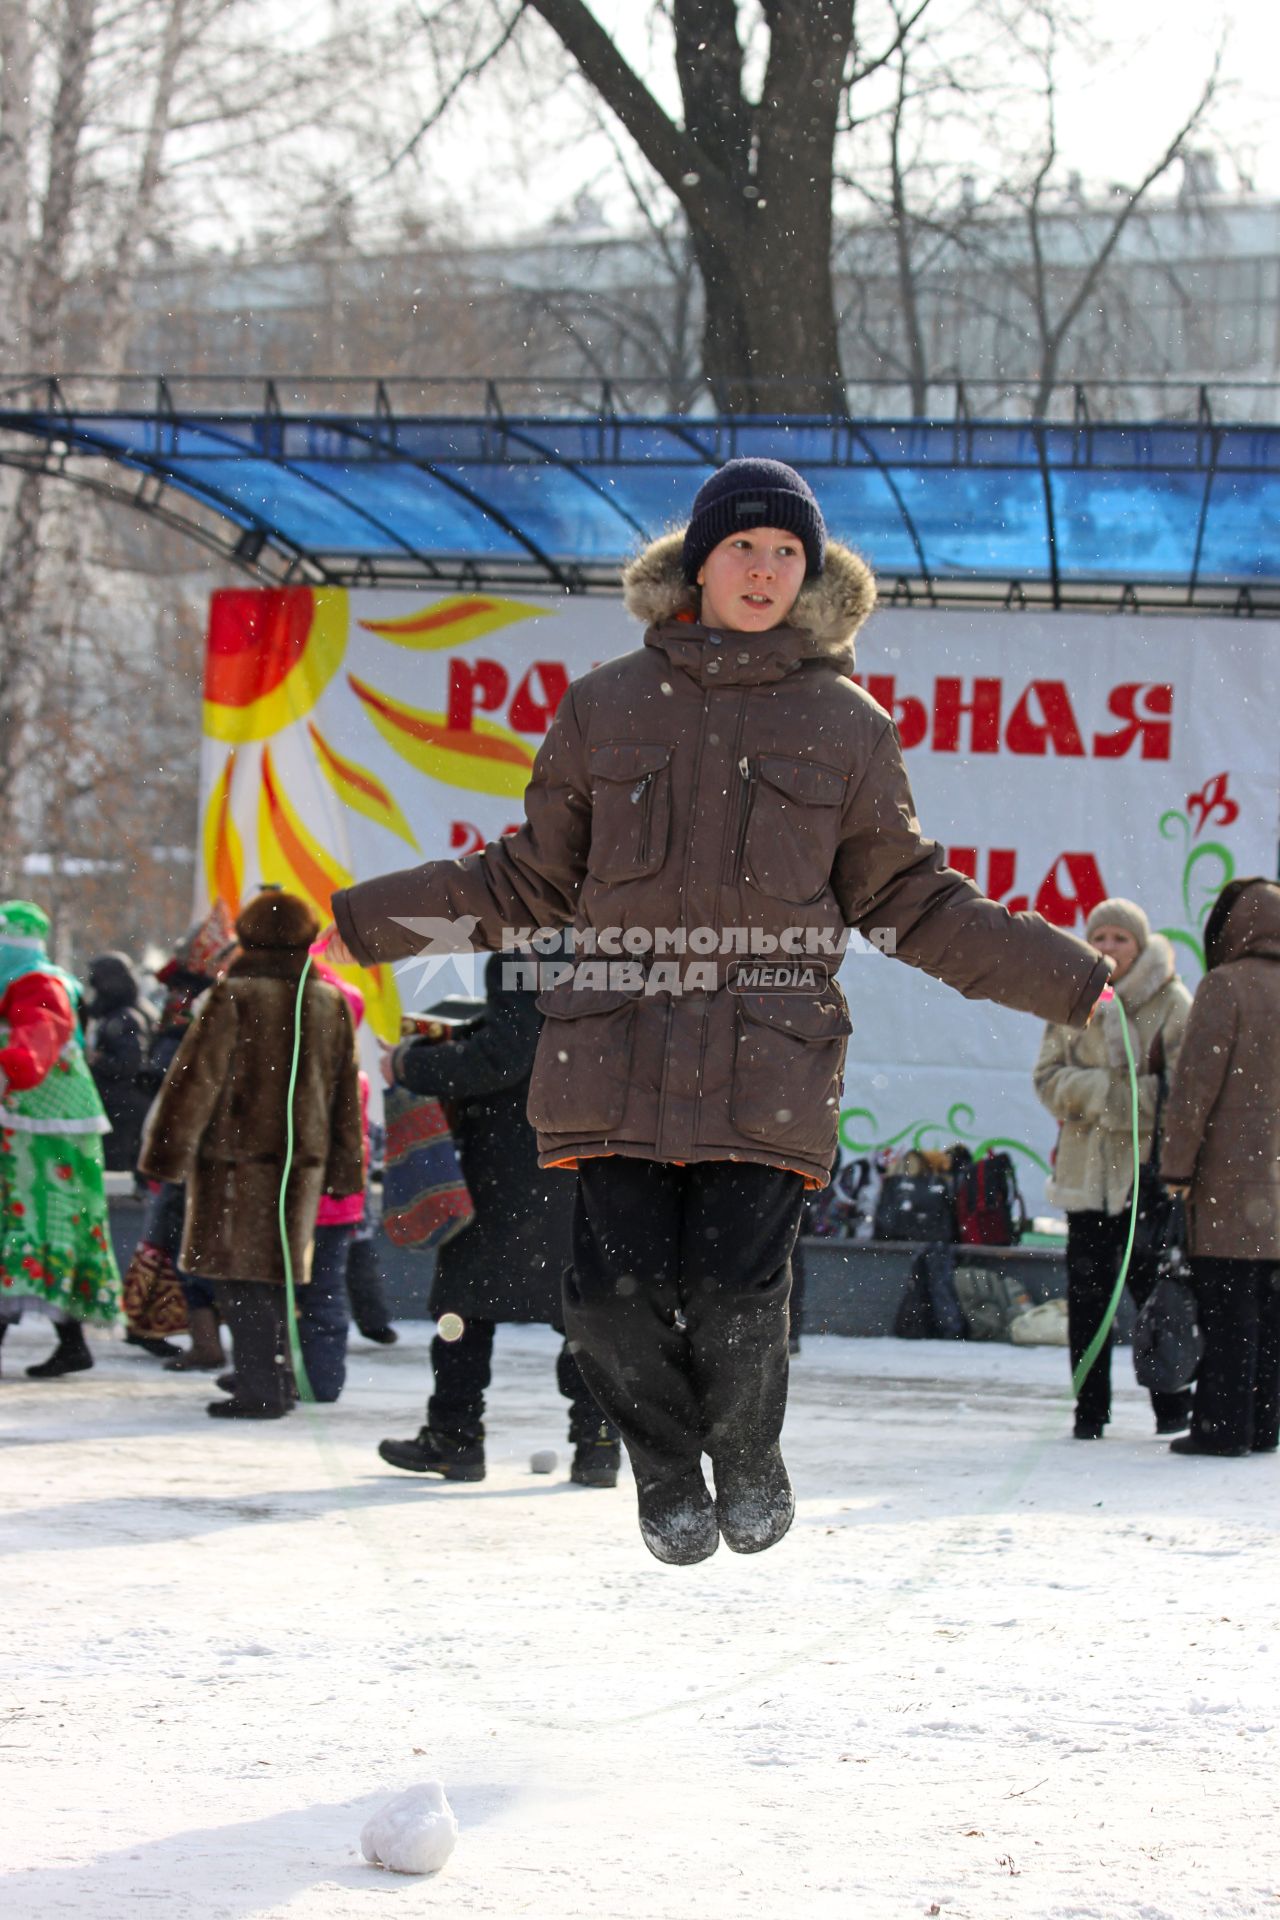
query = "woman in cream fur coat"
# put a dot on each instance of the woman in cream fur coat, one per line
(1083, 1079)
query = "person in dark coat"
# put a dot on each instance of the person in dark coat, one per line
(221, 1126)
(508, 1265)
(1221, 1149)
(119, 1039)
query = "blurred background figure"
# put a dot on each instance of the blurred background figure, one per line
(1222, 1149)
(221, 1125)
(203, 953)
(365, 1287)
(118, 1035)
(55, 1246)
(1083, 1079)
(509, 1263)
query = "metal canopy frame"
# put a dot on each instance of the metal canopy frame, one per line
(331, 483)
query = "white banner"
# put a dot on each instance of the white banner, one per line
(1058, 757)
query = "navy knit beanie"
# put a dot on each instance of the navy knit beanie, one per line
(754, 493)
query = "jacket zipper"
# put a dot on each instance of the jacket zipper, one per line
(646, 819)
(738, 849)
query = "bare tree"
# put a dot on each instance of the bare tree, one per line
(1057, 296)
(117, 125)
(751, 166)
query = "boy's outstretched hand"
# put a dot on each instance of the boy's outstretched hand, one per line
(336, 950)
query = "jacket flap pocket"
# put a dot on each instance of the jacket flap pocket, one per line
(570, 1002)
(803, 1016)
(628, 759)
(803, 780)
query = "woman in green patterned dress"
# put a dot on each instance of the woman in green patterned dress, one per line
(55, 1247)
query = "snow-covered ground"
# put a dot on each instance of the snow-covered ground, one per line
(992, 1672)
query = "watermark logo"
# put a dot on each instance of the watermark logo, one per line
(444, 942)
(644, 960)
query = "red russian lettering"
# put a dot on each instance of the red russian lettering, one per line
(910, 714)
(1002, 869)
(1056, 728)
(1074, 897)
(536, 698)
(1152, 726)
(983, 709)
(475, 686)
(464, 838)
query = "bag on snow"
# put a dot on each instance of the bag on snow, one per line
(425, 1198)
(1042, 1326)
(1162, 1218)
(915, 1206)
(990, 1302)
(989, 1208)
(1167, 1342)
(152, 1299)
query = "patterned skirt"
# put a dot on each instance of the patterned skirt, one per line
(55, 1245)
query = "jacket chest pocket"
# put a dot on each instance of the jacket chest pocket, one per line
(788, 1062)
(790, 826)
(630, 809)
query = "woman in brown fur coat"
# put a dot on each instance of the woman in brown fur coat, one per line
(220, 1125)
(1083, 1079)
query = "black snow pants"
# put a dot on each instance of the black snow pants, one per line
(462, 1369)
(1237, 1403)
(676, 1305)
(1095, 1248)
(254, 1311)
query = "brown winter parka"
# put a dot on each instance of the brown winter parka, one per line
(219, 1121)
(738, 787)
(1222, 1127)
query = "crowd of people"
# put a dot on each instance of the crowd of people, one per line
(697, 1125)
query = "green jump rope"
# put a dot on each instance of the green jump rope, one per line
(1087, 1359)
(290, 1291)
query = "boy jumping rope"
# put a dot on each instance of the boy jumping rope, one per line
(722, 793)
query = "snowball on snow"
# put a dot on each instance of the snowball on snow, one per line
(414, 1833)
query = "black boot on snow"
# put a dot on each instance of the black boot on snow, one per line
(453, 1456)
(157, 1348)
(71, 1355)
(678, 1520)
(754, 1502)
(596, 1462)
(234, 1409)
(381, 1336)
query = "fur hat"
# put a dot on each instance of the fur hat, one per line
(1125, 914)
(276, 919)
(754, 493)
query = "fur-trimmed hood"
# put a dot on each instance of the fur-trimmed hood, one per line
(830, 608)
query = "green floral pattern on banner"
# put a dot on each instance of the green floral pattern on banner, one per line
(1206, 870)
(929, 1134)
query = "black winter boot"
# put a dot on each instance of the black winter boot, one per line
(234, 1409)
(71, 1355)
(754, 1502)
(678, 1520)
(453, 1456)
(597, 1460)
(381, 1336)
(159, 1349)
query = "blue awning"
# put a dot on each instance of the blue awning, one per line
(1170, 513)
